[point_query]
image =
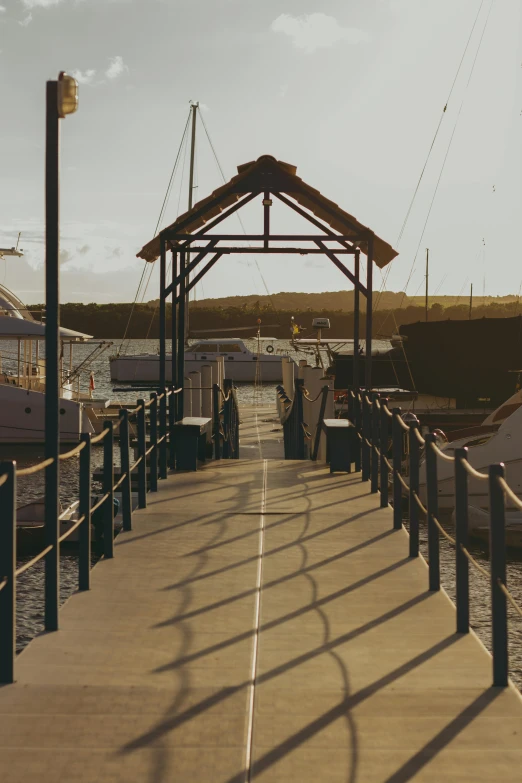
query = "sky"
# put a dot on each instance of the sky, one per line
(349, 91)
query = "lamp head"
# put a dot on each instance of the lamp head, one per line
(67, 94)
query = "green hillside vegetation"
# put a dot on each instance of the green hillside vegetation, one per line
(110, 320)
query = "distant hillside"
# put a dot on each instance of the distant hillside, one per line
(110, 320)
(338, 301)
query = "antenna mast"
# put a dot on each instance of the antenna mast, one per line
(194, 107)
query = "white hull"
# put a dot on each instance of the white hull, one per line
(22, 417)
(240, 368)
(505, 446)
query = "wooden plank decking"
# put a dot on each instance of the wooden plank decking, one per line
(261, 622)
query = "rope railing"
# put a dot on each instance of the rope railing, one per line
(159, 412)
(418, 457)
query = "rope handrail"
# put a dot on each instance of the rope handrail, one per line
(509, 597)
(404, 426)
(71, 530)
(135, 464)
(150, 449)
(472, 472)
(509, 492)
(306, 395)
(3, 479)
(72, 452)
(100, 502)
(388, 464)
(441, 454)
(419, 437)
(444, 532)
(474, 562)
(3, 583)
(119, 482)
(35, 468)
(376, 450)
(387, 411)
(399, 476)
(420, 504)
(98, 438)
(39, 556)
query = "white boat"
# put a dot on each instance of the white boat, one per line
(498, 439)
(240, 362)
(22, 379)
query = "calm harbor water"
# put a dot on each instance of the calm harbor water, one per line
(30, 584)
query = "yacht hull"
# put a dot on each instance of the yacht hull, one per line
(22, 417)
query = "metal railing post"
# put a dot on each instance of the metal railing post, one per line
(163, 435)
(461, 540)
(433, 511)
(153, 436)
(8, 572)
(319, 428)
(357, 422)
(142, 448)
(375, 444)
(216, 425)
(413, 508)
(108, 483)
(497, 546)
(126, 490)
(84, 508)
(365, 437)
(172, 422)
(397, 468)
(383, 445)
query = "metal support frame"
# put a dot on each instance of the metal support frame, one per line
(397, 466)
(162, 314)
(8, 571)
(108, 489)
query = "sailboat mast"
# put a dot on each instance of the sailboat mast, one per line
(194, 108)
(427, 276)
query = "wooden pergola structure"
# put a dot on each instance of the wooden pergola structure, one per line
(193, 242)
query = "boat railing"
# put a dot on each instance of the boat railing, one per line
(383, 433)
(151, 463)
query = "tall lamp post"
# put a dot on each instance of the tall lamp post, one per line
(62, 99)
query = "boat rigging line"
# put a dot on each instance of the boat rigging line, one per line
(160, 218)
(432, 145)
(448, 149)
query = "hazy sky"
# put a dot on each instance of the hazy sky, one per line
(350, 91)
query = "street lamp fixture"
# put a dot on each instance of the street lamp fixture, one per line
(67, 95)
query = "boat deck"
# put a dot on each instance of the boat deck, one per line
(263, 622)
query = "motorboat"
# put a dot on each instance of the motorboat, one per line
(240, 362)
(498, 439)
(22, 378)
(30, 526)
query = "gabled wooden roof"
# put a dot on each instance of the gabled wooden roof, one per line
(267, 173)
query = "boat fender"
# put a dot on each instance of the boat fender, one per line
(270, 349)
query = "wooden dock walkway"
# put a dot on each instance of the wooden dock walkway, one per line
(261, 622)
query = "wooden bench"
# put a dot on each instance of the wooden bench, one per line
(190, 437)
(341, 442)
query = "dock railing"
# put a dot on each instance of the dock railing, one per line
(225, 422)
(291, 417)
(384, 433)
(153, 457)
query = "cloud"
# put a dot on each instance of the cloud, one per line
(2, 9)
(28, 19)
(84, 77)
(30, 4)
(116, 67)
(316, 31)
